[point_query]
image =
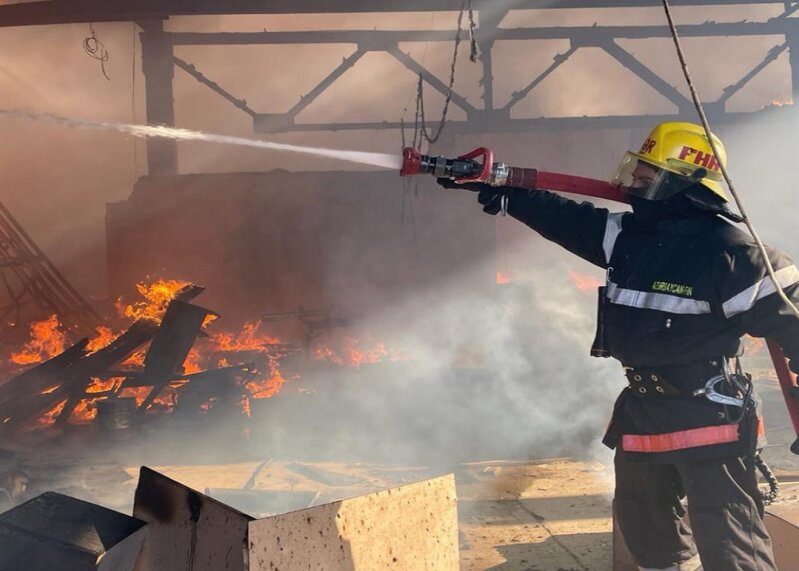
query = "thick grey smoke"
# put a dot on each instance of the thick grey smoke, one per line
(489, 371)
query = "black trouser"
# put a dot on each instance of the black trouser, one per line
(724, 505)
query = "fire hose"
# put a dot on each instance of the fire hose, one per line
(466, 168)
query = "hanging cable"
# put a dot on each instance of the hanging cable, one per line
(701, 111)
(95, 49)
(773, 484)
(421, 133)
(473, 55)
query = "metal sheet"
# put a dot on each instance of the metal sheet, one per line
(53, 531)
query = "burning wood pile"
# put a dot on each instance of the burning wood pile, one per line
(166, 360)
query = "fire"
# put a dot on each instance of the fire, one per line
(49, 418)
(156, 296)
(135, 361)
(261, 377)
(248, 339)
(192, 363)
(46, 342)
(139, 393)
(85, 412)
(104, 337)
(584, 282)
(104, 385)
(502, 278)
(267, 388)
(350, 353)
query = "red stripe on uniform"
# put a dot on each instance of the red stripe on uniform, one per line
(681, 440)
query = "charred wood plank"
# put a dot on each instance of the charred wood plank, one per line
(170, 347)
(189, 292)
(34, 380)
(67, 377)
(93, 365)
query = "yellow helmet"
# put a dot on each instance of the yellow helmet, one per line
(673, 148)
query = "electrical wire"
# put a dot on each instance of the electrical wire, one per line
(701, 111)
(94, 48)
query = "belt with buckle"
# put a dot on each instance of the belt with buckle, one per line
(647, 383)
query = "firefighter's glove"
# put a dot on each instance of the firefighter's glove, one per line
(472, 186)
(491, 199)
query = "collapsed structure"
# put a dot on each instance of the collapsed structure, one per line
(248, 259)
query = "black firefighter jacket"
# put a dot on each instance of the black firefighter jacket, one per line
(681, 295)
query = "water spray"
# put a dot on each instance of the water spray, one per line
(380, 160)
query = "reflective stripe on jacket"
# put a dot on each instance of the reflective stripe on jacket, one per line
(680, 293)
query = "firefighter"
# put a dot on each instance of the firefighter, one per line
(684, 284)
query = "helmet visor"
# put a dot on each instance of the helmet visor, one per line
(645, 180)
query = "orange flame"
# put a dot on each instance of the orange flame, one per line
(502, 278)
(192, 363)
(352, 355)
(584, 282)
(157, 296)
(139, 393)
(46, 342)
(248, 339)
(84, 412)
(104, 337)
(49, 418)
(104, 386)
(268, 388)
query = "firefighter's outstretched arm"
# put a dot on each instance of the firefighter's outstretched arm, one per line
(581, 228)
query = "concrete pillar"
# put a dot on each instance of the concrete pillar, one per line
(159, 70)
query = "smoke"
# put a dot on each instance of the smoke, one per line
(490, 371)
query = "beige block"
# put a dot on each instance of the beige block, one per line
(186, 529)
(410, 528)
(125, 555)
(785, 538)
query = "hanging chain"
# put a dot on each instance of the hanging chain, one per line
(421, 134)
(473, 55)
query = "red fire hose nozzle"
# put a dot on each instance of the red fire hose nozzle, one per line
(461, 169)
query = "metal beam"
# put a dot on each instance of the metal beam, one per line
(517, 96)
(580, 34)
(485, 38)
(772, 55)
(311, 96)
(652, 79)
(214, 86)
(436, 83)
(792, 39)
(81, 11)
(481, 122)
